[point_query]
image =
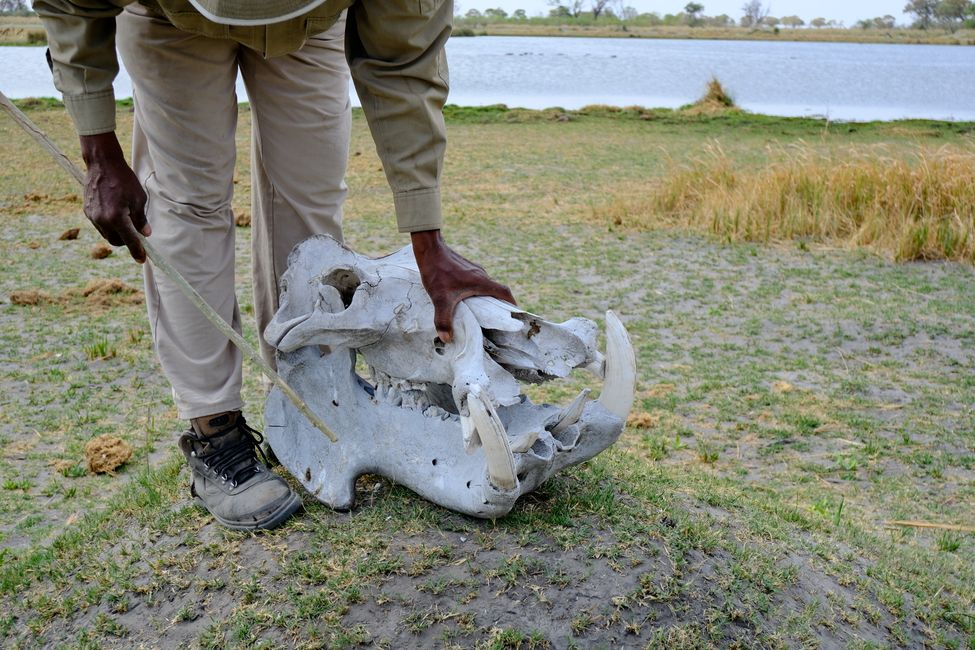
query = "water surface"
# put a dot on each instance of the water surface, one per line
(844, 81)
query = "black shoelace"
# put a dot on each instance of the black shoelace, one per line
(236, 462)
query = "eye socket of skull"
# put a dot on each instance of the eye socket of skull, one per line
(346, 280)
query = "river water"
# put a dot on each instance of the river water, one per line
(843, 81)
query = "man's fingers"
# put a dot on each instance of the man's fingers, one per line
(131, 239)
(443, 320)
(137, 212)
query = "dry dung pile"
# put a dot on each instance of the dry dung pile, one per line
(243, 220)
(111, 291)
(103, 292)
(106, 453)
(642, 420)
(30, 298)
(100, 251)
(70, 234)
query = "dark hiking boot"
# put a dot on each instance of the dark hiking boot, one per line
(229, 479)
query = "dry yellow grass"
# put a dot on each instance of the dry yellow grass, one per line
(919, 206)
(22, 30)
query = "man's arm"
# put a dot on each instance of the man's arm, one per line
(396, 55)
(81, 42)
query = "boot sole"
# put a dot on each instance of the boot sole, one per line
(273, 520)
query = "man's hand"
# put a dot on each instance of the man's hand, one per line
(114, 200)
(449, 278)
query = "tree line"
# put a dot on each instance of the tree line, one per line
(755, 14)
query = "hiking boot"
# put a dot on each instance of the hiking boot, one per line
(229, 479)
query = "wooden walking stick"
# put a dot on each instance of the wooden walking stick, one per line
(163, 265)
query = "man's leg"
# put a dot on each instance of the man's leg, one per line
(300, 147)
(184, 151)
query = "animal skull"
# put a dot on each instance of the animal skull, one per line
(446, 420)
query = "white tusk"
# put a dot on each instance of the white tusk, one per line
(525, 442)
(620, 383)
(494, 439)
(471, 440)
(571, 413)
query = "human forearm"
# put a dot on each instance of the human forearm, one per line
(81, 40)
(395, 51)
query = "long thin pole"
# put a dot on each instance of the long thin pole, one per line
(163, 265)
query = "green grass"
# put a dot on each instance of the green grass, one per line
(797, 397)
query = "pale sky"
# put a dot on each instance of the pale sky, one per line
(848, 12)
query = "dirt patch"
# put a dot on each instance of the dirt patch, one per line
(106, 453)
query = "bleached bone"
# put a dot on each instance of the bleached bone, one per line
(448, 421)
(619, 387)
(497, 452)
(571, 413)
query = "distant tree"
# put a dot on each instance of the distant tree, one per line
(724, 20)
(770, 21)
(496, 13)
(755, 12)
(14, 7)
(628, 13)
(818, 23)
(598, 7)
(571, 10)
(924, 10)
(885, 22)
(793, 21)
(952, 13)
(692, 11)
(519, 14)
(473, 13)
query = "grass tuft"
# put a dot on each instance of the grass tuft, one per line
(920, 206)
(716, 100)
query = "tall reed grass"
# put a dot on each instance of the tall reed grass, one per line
(914, 206)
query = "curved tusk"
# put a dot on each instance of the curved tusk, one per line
(571, 413)
(620, 383)
(494, 439)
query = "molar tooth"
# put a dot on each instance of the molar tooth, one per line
(571, 413)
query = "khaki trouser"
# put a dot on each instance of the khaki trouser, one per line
(184, 151)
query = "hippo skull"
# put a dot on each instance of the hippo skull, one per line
(447, 420)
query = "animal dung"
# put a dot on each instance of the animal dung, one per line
(69, 234)
(243, 220)
(106, 453)
(100, 251)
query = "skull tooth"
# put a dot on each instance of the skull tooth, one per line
(620, 382)
(525, 442)
(497, 452)
(571, 413)
(471, 440)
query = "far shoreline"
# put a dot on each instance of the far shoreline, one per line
(683, 114)
(28, 32)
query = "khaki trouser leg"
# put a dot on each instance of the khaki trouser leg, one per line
(184, 153)
(299, 151)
